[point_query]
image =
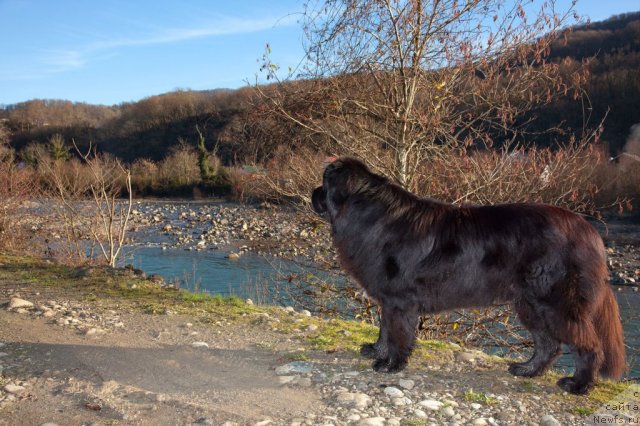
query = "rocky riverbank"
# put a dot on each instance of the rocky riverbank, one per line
(111, 348)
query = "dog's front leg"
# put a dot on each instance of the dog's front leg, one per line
(379, 349)
(401, 337)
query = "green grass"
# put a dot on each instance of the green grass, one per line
(298, 356)
(582, 411)
(480, 397)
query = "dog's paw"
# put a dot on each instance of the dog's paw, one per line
(381, 364)
(573, 386)
(523, 369)
(368, 350)
(396, 365)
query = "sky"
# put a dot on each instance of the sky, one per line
(113, 51)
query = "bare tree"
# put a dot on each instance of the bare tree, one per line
(87, 201)
(392, 81)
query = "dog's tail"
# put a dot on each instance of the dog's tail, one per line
(606, 321)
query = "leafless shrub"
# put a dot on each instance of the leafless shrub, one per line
(180, 168)
(84, 194)
(16, 187)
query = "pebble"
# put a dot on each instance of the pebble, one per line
(431, 404)
(480, 422)
(393, 392)
(448, 411)
(200, 345)
(372, 421)
(407, 384)
(16, 303)
(549, 420)
(356, 400)
(299, 367)
(13, 389)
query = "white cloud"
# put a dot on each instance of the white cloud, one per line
(69, 59)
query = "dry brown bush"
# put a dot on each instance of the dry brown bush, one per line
(180, 168)
(566, 177)
(16, 187)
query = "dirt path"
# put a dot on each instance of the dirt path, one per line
(145, 372)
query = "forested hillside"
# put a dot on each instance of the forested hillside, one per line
(234, 120)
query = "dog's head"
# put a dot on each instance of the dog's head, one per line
(341, 180)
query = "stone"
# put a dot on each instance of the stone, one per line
(372, 421)
(234, 256)
(249, 302)
(298, 367)
(312, 327)
(283, 380)
(448, 411)
(305, 313)
(407, 384)
(16, 303)
(430, 404)
(200, 345)
(549, 420)
(393, 392)
(355, 400)
(13, 389)
(420, 414)
(480, 422)
(475, 406)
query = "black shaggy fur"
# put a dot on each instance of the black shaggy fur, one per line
(416, 256)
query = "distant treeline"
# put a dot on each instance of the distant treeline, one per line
(235, 123)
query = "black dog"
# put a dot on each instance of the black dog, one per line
(416, 255)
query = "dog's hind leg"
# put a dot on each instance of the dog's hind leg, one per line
(546, 347)
(379, 349)
(588, 362)
(401, 339)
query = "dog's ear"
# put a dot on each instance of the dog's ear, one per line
(319, 200)
(337, 182)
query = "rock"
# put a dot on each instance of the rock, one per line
(13, 389)
(475, 406)
(49, 424)
(233, 256)
(298, 367)
(406, 384)
(304, 382)
(289, 309)
(312, 327)
(549, 420)
(305, 313)
(448, 411)
(372, 421)
(16, 303)
(393, 392)
(480, 422)
(283, 380)
(468, 357)
(430, 404)
(249, 302)
(200, 345)
(420, 414)
(352, 399)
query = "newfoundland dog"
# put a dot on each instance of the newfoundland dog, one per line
(416, 256)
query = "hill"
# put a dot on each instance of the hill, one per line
(232, 119)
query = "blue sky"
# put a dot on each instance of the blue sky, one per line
(114, 51)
